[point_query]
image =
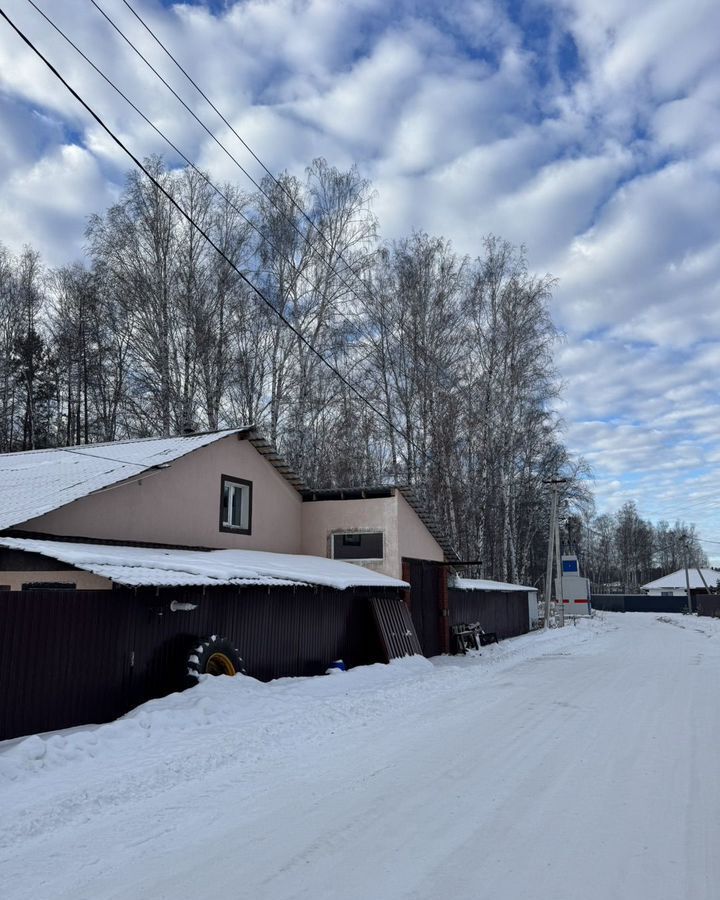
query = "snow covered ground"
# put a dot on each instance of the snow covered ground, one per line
(576, 764)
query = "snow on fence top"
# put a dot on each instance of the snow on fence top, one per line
(35, 482)
(150, 567)
(485, 584)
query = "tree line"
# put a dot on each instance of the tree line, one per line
(154, 333)
(621, 552)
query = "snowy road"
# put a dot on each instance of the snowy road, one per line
(578, 764)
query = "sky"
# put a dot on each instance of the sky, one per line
(586, 130)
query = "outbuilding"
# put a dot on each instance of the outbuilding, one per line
(500, 607)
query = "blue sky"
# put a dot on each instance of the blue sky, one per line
(588, 130)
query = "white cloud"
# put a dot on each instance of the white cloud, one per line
(609, 171)
(46, 204)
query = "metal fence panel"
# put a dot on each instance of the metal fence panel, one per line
(639, 603)
(74, 657)
(504, 612)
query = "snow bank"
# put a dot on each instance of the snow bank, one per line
(249, 718)
(418, 779)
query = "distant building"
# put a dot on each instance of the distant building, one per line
(675, 585)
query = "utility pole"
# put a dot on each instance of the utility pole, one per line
(687, 574)
(554, 486)
(702, 578)
(558, 570)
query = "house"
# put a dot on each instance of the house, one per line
(675, 584)
(704, 587)
(669, 594)
(124, 565)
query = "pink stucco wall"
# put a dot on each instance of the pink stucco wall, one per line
(414, 540)
(405, 534)
(181, 505)
(322, 518)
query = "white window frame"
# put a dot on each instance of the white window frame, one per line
(233, 485)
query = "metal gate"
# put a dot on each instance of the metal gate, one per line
(428, 604)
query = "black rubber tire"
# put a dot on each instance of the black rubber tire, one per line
(214, 656)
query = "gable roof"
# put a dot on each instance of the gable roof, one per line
(157, 567)
(676, 580)
(35, 482)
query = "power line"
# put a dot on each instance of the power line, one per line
(200, 231)
(697, 504)
(333, 305)
(268, 197)
(234, 131)
(125, 462)
(354, 325)
(189, 162)
(225, 150)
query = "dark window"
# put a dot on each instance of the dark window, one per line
(358, 545)
(235, 505)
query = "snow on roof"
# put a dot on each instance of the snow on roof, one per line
(676, 580)
(486, 584)
(151, 567)
(34, 482)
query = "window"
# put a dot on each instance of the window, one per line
(236, 505)
(358, 545)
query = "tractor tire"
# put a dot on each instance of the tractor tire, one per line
(214, 656)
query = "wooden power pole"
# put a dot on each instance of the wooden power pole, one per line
(555, 488)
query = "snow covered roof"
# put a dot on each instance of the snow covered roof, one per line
(486, 584)
(676, 580)
(151, 567)
(34, 482)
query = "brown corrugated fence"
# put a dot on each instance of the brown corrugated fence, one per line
(73, 657)
(504, 612)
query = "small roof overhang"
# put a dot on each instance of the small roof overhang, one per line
(169, 567)
(487, 584)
